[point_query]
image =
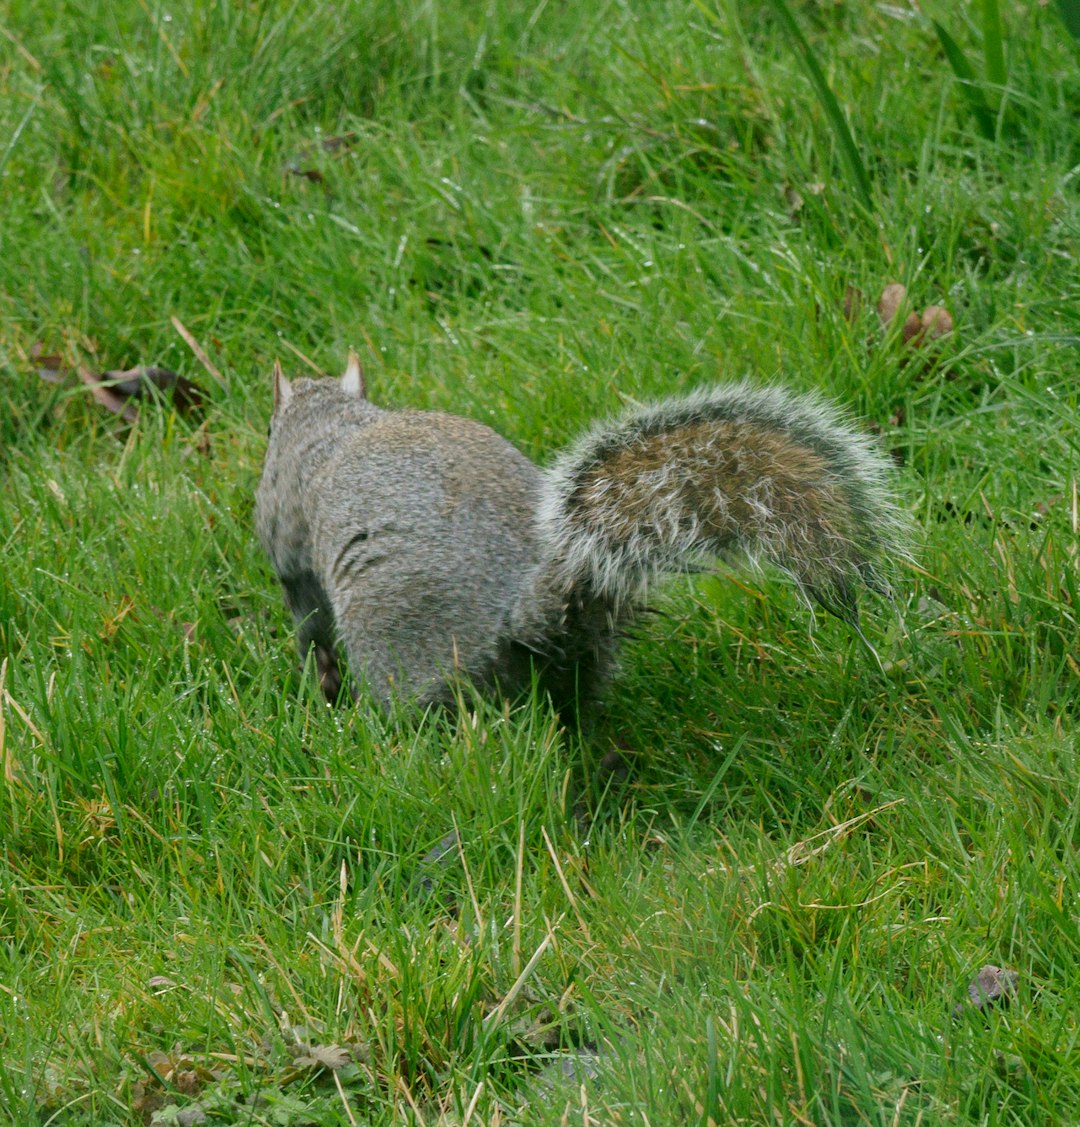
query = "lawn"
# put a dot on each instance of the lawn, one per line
(757, 888)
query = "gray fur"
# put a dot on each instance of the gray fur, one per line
(431, 549)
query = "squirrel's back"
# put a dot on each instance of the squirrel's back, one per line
(424, 560)
(416, 528)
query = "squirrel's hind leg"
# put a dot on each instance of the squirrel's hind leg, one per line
(575, 650)
(310, 608)
(326, 664)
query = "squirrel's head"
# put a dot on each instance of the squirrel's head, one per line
(352, 382)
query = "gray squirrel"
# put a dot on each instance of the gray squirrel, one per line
(432, 550)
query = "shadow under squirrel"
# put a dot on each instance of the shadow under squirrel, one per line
(431, 549)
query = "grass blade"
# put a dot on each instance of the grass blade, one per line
(849, 152)
(965, 74)
(1069, 10)
(993, 51)
(16, 135)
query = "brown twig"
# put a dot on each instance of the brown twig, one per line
(200, 352)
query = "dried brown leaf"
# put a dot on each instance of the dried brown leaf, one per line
(50, 365)
(129, 382)
(109, 399)
(141, 383)
(146, 1099)
(160, 1062)
(186, 1080)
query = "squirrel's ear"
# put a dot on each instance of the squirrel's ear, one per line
(352, 383)
(282, 387)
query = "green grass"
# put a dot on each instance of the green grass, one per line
(213, 886)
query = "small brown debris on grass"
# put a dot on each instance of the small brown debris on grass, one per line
(117, 390)
(933, 323)
(140, 383)
(200, 443)
(300, 164)
(177, 1070)
(936, 322)
(109, 399)
(891, 307)
(991, 987)
(50, 365)
(329, 1057)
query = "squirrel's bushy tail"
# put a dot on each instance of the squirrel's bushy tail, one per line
(735, 470)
